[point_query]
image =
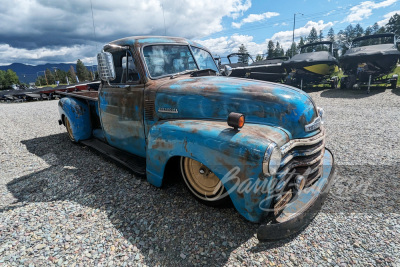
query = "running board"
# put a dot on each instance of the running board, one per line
(135, 163)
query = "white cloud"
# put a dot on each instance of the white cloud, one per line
(53, 25)
(364, 10)
(225, 45)
(46, 55)
(387, 18)
(285, 37)
(254, 18)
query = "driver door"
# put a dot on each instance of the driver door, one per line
(121, 106)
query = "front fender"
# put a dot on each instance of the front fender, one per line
(78, 114)
(221, 149)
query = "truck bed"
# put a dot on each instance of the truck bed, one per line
(88, 95)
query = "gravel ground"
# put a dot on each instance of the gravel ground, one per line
(63, 204)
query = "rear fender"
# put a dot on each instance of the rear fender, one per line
(78, 114)
(225, 151)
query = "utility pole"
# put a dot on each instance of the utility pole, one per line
(294, 27)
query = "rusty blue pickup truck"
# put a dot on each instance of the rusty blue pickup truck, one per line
(162, 103)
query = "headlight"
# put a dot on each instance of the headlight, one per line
(272, 160)
(321, 113)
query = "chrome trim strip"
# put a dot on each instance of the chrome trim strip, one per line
(303, 142)
(285, 171)
(309, 152)
(303, 163)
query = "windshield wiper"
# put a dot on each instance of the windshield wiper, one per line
(181, 73)
(203, 72)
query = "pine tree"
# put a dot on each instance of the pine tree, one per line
(301, 44)
(71, 75)
(358, 30)
(313, 36)
(11, 77)
(381, 30)
(394, 24)
(259, 57)
(375, 28)
(321, 36)
(292, 50)
(271, 49)
(331, 35)
(2, 79)
(8, 78)
(278, 52)
(82, 71)
(368, 31)
(49, 77)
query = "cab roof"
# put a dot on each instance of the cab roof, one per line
(149, 40)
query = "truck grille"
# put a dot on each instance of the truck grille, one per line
(303, 157)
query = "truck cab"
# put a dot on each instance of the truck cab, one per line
(162, 101)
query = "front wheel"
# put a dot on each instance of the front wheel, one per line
(69, 129)
(203, 183)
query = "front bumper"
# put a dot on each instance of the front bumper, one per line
(299, 212)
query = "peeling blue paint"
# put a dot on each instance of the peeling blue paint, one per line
(218, 146)
(261, 102)
(77, 112)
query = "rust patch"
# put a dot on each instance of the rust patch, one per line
(162, 144)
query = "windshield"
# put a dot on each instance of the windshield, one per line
(315, 48)
(373, 41)
(204, 59)
(165, 60)
(240, 59)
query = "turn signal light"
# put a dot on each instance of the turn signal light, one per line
(236, 120)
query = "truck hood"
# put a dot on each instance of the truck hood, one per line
(214, 97)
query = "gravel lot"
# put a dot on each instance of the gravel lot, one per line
(63, 204)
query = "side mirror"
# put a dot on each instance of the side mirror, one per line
(227, 70)
(398, 44)
(106, 66)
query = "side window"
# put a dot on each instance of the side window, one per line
(125, 68)
(129, 71)
(204, 59)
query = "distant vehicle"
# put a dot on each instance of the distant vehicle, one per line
(315, 64)
(242, 65)
(370, 60)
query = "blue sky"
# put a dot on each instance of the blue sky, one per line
(266, 20)
(42, 31)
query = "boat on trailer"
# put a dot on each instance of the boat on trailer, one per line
(370, 60)
(315, 65)
(242, 65)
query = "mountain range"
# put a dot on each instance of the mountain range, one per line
(29, 73)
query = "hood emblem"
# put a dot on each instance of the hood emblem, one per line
(314, 125)
(168, 110)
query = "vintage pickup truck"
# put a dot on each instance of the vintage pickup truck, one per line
(162, 102)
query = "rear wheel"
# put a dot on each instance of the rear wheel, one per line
(350, 82)
(343, 81)
(69, 130)
(393, 84)
(334, 83)
(203, 183)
